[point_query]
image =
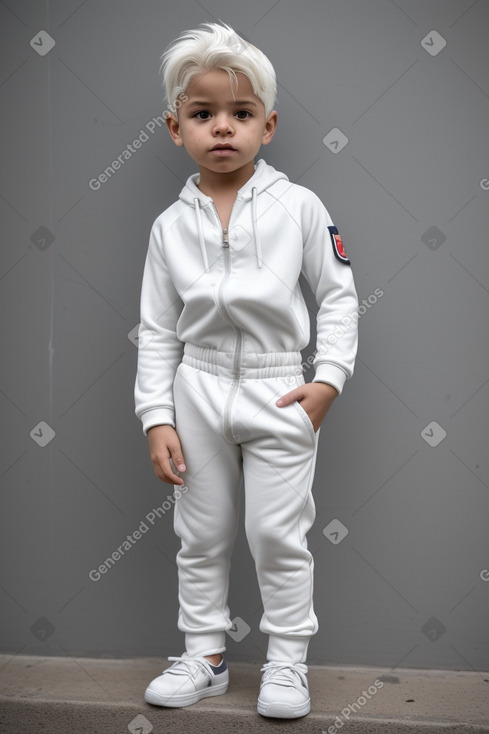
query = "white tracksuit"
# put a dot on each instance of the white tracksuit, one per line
(223, 321)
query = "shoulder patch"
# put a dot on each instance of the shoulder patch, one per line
(338, 249)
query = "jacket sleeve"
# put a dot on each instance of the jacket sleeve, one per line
(159, 349)
(328, 272)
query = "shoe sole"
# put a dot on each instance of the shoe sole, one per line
(179, 701)
(283, 710)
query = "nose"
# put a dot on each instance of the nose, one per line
(222, 124)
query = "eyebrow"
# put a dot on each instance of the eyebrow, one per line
(237, 103)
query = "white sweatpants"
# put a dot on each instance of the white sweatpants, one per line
(233, 435)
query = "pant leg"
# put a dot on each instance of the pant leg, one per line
(278, 464)
(206, 516)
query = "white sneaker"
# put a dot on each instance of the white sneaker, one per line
(284, 693)
(187, 681)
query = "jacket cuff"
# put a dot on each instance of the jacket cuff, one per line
(331, 374)
(157, 417)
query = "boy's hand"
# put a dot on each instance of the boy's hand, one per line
(315, 397)
(164, 445)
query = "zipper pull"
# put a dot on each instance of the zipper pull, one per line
(225, 240)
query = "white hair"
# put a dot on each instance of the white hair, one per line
(216, 46)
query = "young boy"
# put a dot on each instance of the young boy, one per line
(220, 389)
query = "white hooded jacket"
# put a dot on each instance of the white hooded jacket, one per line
(237, 291)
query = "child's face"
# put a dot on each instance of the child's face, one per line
(212, 118)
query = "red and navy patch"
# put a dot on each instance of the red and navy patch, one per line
(338, 249)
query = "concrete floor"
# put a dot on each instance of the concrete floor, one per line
(78, 695)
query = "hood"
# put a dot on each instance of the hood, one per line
(263, 177)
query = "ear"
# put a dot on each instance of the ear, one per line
(270, 127)
(174, 129)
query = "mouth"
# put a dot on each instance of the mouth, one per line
(223, 149)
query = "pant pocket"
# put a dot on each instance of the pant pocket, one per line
(305, 417)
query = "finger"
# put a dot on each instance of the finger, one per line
(177, 456)
(178, 461)
(165, 472)
(290, 397)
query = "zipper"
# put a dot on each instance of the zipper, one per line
(224, 231)
(238, 352)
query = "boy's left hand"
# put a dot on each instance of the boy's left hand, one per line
(315, 397)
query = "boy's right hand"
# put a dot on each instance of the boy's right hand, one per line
(164, 445)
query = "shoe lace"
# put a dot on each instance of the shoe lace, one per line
(284, 674)
(186, 665)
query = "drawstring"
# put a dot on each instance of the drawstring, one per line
(201, 234)
(256, 235)
(255, 227)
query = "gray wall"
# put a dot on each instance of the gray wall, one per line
(409, 192)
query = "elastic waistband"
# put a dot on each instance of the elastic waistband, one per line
(252, 364)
